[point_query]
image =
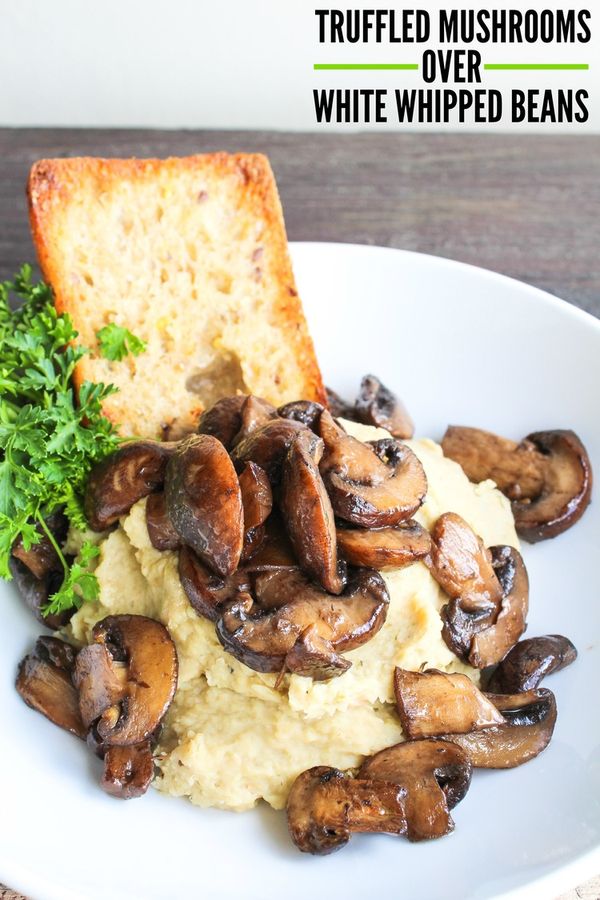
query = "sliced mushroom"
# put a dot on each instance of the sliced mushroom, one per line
(223, 420)
(431, 703)
(132, 472)
(325, 807)
(161, 532)
(42, 559)
(567, 487)
(126, 678)
(305, 634)
(255, 413)
(44, 683)
(308, 513)
(204, 502)
(491, 644)
(128, 771)
(267, 446)
(206, 591)
(548, 476)
(379, 548)
(530, 661)
(257, 502)
(377, 405)
(434, 780)
(517, 469)
(306, 411)
(370, 485)
(36, 593)
(529, 723)
(462, 566)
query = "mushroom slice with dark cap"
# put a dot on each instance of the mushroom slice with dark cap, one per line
(267, 446)
(206, 591)
(126, 678)
(431, 703)
(492, 643)
(257, 503)
(306, 411)
(44, 683)
(36, 592)
(308, 513)
(567, 487)
(434, 781)
(325, 807)
(370, 485)
(127, 771)
(397, 546)
(254, 413)
(548, 476)
(529, 723)
(530, 661)
(377, 405)
(42, 559)
(462, 566)
(161, 532)
(305, 633)
(204, 502)
(130, 473)
(223, 420)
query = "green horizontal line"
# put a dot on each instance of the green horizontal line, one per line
(363, 66)
(533, 66)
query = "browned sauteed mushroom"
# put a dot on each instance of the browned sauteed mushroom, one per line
(41, 559)
(306, 633)
(132, 472)
(204, 501)
(379, 548)
(127, 771)
(373, 485)
(254, 413)
(257, 502)
(338, 407)
(126, 678)
(308, 513)
(206, 591)
(488, 589)
(44, 683)
(377, 405)
(306, 411)
(529, 723)
(530, 661)
(435, 777)
(267, 446)
(548, 476)
(223, 420)
(161, 532)
(431, 703)
(325, 807)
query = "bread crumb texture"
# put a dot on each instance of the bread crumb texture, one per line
(191, 255)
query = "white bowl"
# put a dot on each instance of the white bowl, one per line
(460, 345)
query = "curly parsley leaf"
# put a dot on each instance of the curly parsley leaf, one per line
(117, 342)
(49, 438)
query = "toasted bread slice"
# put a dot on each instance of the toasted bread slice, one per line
(191, 255)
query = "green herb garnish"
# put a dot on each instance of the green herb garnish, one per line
(117, 342)
(49, 439)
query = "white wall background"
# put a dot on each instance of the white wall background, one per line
(223, 63)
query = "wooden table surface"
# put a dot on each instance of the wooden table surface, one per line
(527, 206)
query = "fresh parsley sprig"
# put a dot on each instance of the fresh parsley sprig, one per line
(117, 342)
(49, 438)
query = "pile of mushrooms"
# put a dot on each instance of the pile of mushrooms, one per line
(281, 520)
(113, 693)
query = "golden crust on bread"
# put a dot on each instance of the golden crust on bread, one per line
(191, 255)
